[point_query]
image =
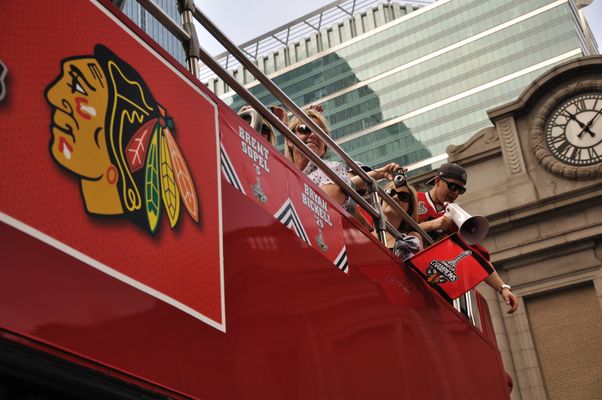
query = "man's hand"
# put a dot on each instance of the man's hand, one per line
(511, 299)
(442, 223)
(497, 284)
(386, 171)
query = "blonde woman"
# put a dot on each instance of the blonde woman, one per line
(310, 170)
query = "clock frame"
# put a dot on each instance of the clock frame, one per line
(558, 136)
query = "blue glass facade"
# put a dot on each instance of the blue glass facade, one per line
(154, 28)
(407, 90)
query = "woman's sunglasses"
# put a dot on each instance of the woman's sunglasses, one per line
(402, 196)
(303, 129)
(454, 187)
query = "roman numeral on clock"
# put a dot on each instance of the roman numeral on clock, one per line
(576, 155)
(558, 139)
(562, 147)
(581, 106)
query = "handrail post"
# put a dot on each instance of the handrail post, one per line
(286, 101)
(380, 225)
(195, 53)
(186, 8)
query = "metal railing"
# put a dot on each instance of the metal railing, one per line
(373, 209)
(194, 53)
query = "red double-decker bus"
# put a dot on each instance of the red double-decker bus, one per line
(154, 246)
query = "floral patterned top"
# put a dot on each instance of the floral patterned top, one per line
(320, 178)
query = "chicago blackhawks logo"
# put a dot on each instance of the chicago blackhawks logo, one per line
(441, 271)
(421, 208)
(110, 132)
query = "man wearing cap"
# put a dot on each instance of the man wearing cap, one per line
(448, 184)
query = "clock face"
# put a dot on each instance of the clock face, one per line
(573, 132)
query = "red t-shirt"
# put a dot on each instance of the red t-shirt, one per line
(428, 210)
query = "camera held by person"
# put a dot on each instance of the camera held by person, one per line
(400, 178)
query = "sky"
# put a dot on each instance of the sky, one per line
(593, 14)
(243, 20)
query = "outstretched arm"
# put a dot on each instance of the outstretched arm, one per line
(496, 283)
(386, 171)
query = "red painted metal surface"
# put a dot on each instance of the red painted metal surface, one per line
(296, 326)
(485, 317)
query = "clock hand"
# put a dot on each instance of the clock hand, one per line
(574, 118)
(584, 127)
(590, 122)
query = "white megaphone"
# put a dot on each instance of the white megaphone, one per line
(471, 229)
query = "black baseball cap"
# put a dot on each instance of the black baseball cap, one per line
(450, 170)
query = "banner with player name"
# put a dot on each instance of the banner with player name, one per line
(249, 164)
(451, 267)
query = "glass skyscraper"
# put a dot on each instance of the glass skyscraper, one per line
(406, 89)
(154, 28)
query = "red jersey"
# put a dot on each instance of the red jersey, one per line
(428, 210)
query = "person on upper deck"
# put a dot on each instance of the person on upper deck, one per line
(386, 171)
(405, 196)
(260, 124)
(319, 177)
(448, 184)
(317, 146)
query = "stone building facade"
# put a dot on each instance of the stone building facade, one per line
(537, 177)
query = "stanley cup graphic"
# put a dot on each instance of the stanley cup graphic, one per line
(440, 271)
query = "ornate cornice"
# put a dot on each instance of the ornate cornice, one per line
(511, 146)
(482, 145)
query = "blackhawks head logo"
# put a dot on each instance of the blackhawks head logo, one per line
(108, 130)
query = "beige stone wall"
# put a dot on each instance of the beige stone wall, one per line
(545, 239)
(567, 331)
